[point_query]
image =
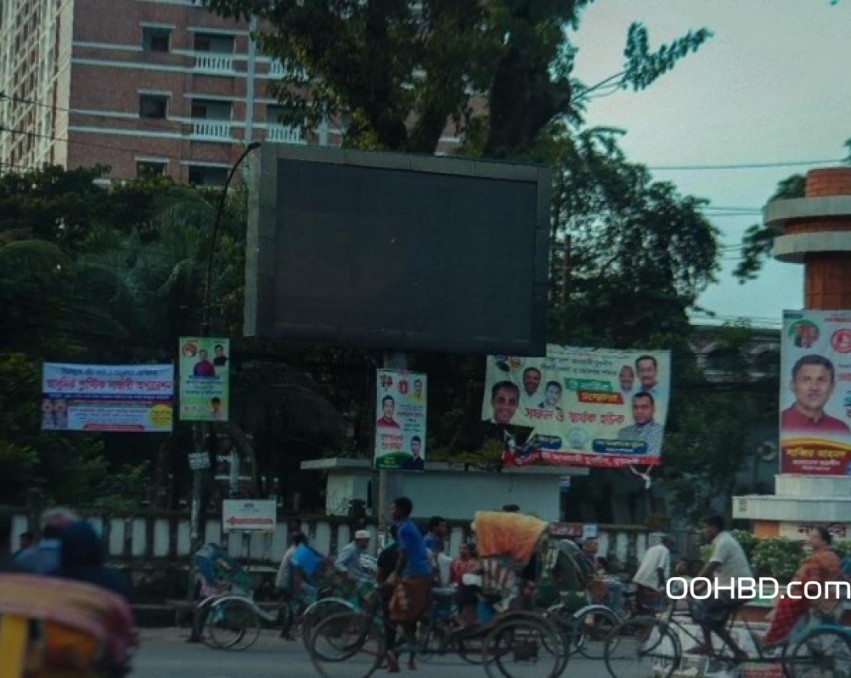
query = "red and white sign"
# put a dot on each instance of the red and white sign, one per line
(258, 515)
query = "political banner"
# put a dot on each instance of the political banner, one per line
(204, 378)
(815, 393)
(125, 398)
(400, 430)
(585, 407)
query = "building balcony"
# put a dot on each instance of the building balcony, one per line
(284, 134)
(214, 63)
(281, 69)
(211, 129)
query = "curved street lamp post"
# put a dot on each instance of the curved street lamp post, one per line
(201, 430)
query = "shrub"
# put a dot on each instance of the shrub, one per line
(777, 557)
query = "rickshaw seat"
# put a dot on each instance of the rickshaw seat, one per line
(51, 627)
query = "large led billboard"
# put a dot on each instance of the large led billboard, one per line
(397, 251)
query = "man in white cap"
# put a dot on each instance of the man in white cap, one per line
(348, 560)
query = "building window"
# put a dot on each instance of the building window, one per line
(211, 110)
(149, 168)
(201, 175)
(156, 39)
(153, 106)
(214, 43)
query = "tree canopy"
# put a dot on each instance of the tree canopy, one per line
(395, 73)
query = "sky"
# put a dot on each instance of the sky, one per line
(771, 86)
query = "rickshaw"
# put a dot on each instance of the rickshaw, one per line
(228, 618)
(512, 638)
(57, 628)
(575, 600)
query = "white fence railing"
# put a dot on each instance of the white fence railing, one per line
(213, 63)
(281, 69)
(166, 537)
(284, 134)
(211, 129)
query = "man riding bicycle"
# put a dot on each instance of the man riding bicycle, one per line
(726, 564)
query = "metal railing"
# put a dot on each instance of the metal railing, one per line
(213, 63)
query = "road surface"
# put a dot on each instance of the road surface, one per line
(164, 653)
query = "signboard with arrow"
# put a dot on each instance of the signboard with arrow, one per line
(256, 515)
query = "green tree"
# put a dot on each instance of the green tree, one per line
(399, 71)
(623, 241)
(716, 425)
(758, 238)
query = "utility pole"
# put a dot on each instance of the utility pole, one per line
(201, 430)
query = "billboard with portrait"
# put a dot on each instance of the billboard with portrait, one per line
(585, 407)
(117, 398)
(204, 378)
(815, 393)
(400, 427)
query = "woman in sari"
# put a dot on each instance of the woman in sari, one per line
(821, 566)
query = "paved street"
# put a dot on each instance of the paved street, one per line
(165, 654)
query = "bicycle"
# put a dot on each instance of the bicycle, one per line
(649, 645)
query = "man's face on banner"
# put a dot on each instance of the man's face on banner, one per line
(504, 405)
(812, 387)
(531, 380)
(642, 410)
(646, 373)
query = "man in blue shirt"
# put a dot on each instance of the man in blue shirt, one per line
(45, 557)
(436, 533)
(412, 577)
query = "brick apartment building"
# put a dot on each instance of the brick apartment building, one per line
(140, 85)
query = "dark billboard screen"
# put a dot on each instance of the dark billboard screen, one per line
(399, 252)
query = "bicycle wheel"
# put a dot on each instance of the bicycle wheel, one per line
(642, 646)
(317, 612)
(233, 624)
(589, 629)
(347, 645)
(823, 652)
(471, 648)
(432, 642)
(521, 647)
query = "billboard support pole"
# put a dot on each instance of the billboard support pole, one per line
(393, 360)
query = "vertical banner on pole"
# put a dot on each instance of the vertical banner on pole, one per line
(204, 378)
(400, 430)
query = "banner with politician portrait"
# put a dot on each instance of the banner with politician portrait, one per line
(204, 378)
(585, 407)
(116, 398)
(400, 427)
(815, 393)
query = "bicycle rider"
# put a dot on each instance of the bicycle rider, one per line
(726, 564)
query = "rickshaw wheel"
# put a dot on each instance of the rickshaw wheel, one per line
(233, 625)
(523, 646)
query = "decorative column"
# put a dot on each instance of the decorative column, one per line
(814, 231)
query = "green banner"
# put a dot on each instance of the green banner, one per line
(204, 378)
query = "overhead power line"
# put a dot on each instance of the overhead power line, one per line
(745, 165)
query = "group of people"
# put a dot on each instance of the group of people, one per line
(69, 548)
(407, 568)
(727, 564)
